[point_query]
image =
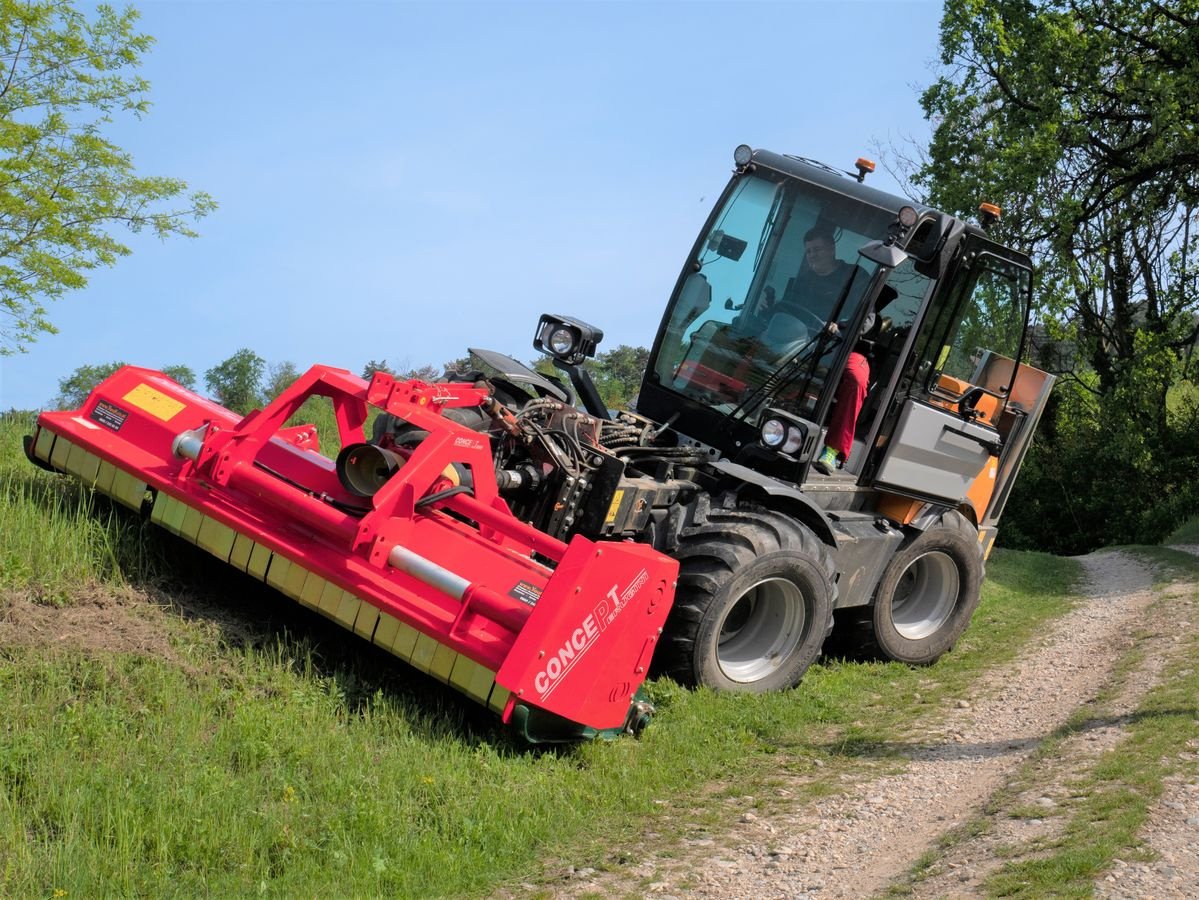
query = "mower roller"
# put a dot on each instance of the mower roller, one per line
(556, 637)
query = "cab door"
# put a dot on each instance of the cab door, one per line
(946, 431)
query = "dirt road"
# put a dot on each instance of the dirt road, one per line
(866, 839)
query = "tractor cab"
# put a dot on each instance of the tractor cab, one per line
(799, 267)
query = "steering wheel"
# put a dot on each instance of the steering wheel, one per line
(813, 322)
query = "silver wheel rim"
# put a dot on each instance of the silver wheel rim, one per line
(926, 595)
(761, 630)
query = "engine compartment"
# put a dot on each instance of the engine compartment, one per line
(568, 472)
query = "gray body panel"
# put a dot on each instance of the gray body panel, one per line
(935, 453)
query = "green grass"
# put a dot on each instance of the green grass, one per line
(272, 753)
(54, 534)
(1187, 533)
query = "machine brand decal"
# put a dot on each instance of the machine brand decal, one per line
(110, 416)
(154, 402)
(468, 442)
(525, 593)
(584, 637)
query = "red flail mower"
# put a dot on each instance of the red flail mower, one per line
(413, 549)
(512, 535)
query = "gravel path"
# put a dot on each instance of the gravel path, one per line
(856, 843)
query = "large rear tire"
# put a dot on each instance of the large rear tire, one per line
(754, 603)
(928, 593)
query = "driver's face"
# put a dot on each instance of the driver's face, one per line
(820, 253)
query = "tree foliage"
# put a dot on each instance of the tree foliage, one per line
(1080, 117)
(617, 373)
(64, 186)
(236, 383)
(74, 388)
(376, 365)
(405, 370)
(279, 378)
(184, 375)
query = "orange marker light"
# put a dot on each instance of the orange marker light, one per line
(990, 210)
(864, 165)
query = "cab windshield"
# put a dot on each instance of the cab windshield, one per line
(779, 263)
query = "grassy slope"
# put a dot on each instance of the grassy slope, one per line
(284, 757)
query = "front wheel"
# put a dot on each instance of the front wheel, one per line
(754, 603)
(928, 592)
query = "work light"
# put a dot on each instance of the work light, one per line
(568, 340)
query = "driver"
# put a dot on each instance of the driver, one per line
(821, 278)
(815, 290)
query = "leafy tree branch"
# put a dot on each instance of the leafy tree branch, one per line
(65, 189)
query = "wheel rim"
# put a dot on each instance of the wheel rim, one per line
(761, 630)
(926, 595)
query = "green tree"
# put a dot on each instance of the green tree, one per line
(617, 373)
(460, 365)
(279, 378)
(74, 389)
(1080, 117)
(64, 187)
(403, 371)
(185, 375)
(376, 365)
(237, 382)
(426, 372)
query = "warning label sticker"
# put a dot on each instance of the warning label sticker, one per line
(110, 416)
(526, 593)
(615, 507)
(154, 402)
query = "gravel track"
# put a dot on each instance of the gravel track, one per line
(859, 841)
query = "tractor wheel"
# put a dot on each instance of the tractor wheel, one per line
(754, 603)
(928, 593)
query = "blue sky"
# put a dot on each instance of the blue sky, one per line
(401, 180)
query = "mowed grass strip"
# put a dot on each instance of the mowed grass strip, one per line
(309, 764)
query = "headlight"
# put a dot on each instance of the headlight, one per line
(783, 431)
(774, 433)
(795, 439)
(561, 341)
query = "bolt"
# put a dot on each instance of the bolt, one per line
(540, 654)
(640, 670)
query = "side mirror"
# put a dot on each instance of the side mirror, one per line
(884, 254)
